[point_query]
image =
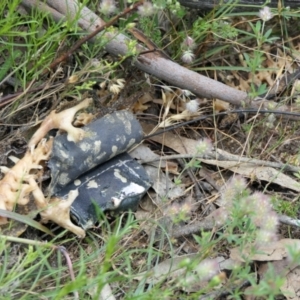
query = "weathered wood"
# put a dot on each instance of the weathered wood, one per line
(209, 4)
(151, 62)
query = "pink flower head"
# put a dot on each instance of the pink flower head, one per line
(265, 236)
(188, 43)
(271, 222)
(261, 206)
(235, 187)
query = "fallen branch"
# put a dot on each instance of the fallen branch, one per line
(150, 62)
(44, 8)
(289, 221)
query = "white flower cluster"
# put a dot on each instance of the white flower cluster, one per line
(107, 7)
(187, 46)
(192, 106)
(265, 14)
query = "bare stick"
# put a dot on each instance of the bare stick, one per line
(289, 221)
(152, 62)
(44, 8)
(221, 157)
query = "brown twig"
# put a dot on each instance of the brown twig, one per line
(215, 155)
(286, 114)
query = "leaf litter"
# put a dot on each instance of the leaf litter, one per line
(169, 199)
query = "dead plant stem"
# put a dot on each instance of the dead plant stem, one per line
(215, 155)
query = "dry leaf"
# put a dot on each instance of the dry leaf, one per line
(284, 267)
(143, 153)
(184, 145)
(163, 185)
(268, 252)
(257, 172)
(181, 145)
(172, 269)
(139, 105)
(168, 268)
(291, 288)
(146, 210)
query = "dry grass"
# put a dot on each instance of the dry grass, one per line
(141, 255)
